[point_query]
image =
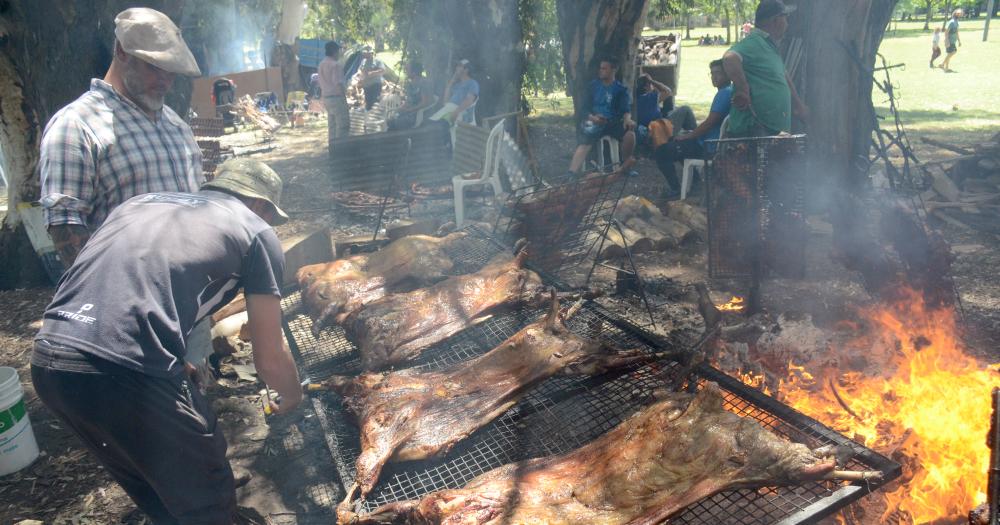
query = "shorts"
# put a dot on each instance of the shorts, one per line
(952, 48)
(588, 134)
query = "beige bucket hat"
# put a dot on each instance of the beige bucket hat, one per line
(153, 37)
(253, 179)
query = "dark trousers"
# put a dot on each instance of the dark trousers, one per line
(676, 151)
(372, 94)
(156, 437)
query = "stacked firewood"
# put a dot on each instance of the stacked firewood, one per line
(248, 109)
(643, 227)
(965, 189)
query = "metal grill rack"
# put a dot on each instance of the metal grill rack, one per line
(564, 413)
(755, 206)
(564, 222)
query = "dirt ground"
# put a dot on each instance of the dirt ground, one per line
(293, 480)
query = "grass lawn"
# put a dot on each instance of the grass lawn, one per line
(958, 106)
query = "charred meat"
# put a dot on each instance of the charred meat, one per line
(412, 414)
(664, 458)
(331, 291)
(398, 327)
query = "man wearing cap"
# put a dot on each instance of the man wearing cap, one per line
(763, 95)
(370, 76)
(332, 87)
(108, 360)
(118, 140)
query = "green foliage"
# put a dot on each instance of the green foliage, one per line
(543, 70)
(350, 20)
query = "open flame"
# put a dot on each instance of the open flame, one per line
(736, 304)
(929, 407)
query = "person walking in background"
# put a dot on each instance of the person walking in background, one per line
(370, 73)
(331, 83)
(952, 39)
(935, 45)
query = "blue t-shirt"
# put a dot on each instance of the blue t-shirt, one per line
(611, 101)
(461, 90)
(647, 108)
(720, 104)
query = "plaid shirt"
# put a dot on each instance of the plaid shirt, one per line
(102, 150)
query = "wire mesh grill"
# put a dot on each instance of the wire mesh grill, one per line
(564, 413)
(564, 222)
(755, 206)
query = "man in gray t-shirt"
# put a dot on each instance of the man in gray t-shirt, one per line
(109, 359)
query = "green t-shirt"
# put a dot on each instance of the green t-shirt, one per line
(952, 28)
(770, 96)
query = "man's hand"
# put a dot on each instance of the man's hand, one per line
(802, 112)
(600, 120)
(68, 240)
(629, 124)
(287, 403)
(741, 98)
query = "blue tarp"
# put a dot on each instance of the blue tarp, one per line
(311, 51)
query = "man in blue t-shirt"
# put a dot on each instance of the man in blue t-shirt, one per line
(649, 99)
(695, 145)
(609, 115)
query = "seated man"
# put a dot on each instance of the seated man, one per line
(419, 95)
(693, 145)
(650, 99)
(460, 94)
(610, 115)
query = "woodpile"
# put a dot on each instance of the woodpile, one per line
(965, 189)
(643, 227)
(247, 108)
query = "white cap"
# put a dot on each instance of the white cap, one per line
(153, 37)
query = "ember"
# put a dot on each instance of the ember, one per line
(736, 304)
(924, 401)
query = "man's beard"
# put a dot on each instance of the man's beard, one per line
(134, 87)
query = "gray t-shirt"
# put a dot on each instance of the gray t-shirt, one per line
(159, 264)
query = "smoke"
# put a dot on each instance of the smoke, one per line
(230, 36)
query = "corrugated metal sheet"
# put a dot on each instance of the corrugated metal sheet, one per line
(368, 162)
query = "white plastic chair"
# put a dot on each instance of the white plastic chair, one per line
(489, 174)
(420, 113)
(687, 172)
(612, 147)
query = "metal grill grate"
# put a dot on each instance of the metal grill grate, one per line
(563, 223)
(564, 413)
(755, 206)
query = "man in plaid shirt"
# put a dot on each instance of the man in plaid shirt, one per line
(118, 140)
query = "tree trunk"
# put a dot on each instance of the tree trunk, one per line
(592, 30)
(487, 33)
(927, 16)
(838, 92)
(50, 52)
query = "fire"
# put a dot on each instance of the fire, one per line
(924, 401)
(736, 304)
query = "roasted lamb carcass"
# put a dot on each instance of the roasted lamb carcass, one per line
(332, 290)
(398, 327)
(664, 458)
(412, 414)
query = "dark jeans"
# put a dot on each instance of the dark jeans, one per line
(676, 151)
(372, 94)
(156, 437)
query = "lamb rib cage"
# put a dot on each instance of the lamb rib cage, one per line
(563, 413)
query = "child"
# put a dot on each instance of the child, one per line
(935, 45)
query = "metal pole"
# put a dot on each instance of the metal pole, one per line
(993, 486)
(989, 15)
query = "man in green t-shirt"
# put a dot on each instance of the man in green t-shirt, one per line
(952, 40)
(764, 98)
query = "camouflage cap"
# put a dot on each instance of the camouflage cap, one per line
(250, 178)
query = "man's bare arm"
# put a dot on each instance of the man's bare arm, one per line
(799, 108)
(273, 361)
(733, 64)
(69, 240)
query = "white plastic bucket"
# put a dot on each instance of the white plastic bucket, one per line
(18, 447)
